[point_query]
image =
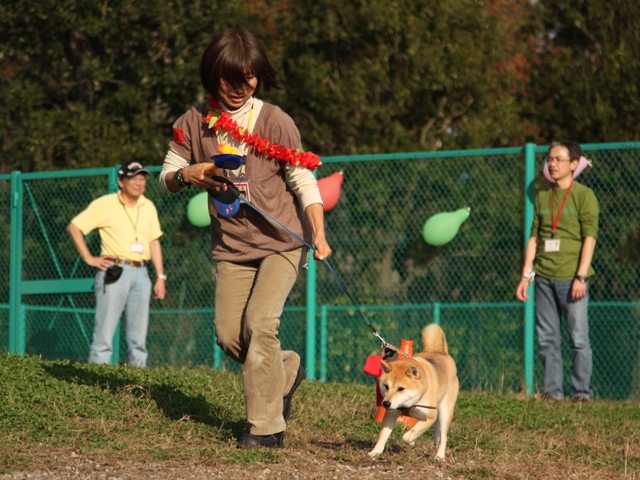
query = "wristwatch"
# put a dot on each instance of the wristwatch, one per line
(582, 278)
(529, 275)
(178, 179)
(162, 277)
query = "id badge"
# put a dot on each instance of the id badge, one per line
(243, 186)
(552, 245)
(137, 247)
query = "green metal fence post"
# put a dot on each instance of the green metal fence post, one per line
(529, 320)
(113, 186)
(21, 333)
(115, 352)
(311, 318)
(436, 313)
(217, 357)
(323, 343)
(16, 339)
(311, 315)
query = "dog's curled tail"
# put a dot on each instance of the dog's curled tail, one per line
(434, 340)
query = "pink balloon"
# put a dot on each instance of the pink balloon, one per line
(330, 190)
(584, 163)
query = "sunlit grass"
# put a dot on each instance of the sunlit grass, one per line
(194, 416)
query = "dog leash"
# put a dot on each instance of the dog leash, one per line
(387, 349)
(385, 346)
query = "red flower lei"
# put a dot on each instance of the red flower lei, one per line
(221, 120)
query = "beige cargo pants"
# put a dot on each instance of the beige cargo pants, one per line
(250, 298)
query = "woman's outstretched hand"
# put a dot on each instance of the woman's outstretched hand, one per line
(201, 175)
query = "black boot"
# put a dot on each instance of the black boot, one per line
(286, 404)
(248, 440)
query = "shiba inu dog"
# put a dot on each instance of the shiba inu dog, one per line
(425, 387)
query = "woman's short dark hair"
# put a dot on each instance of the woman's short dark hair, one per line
(230, 55)
(575, 152)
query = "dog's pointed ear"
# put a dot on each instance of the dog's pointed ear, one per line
(386, 368)
(413, 372)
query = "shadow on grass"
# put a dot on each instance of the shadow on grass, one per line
(172, 401)
(351, 443)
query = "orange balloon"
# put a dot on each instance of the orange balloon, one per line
(330, 190)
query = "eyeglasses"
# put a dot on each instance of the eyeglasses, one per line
(557, 160)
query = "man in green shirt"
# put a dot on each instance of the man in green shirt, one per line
(559, 253)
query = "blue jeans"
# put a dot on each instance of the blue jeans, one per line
(553, 300)
(132, 291)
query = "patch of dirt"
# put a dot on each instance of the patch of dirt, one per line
(65, 466)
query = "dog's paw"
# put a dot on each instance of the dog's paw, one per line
(406, 438)
(374, 453)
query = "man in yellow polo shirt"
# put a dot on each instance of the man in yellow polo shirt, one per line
(129, 236)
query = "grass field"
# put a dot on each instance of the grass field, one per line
(64, 419)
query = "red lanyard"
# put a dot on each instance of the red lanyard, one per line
(554, 221)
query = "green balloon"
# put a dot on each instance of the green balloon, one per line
(198, 210)
(440, 228)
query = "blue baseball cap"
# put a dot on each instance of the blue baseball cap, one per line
(229, 161)
(226, 203)
(226, 209)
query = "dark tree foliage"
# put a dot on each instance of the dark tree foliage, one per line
(585, 70)
(379, 76)
(85, 84)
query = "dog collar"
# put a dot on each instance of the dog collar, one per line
(406, 411)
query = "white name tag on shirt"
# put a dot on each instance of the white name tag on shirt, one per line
(137, 247)
(552, 245)
(243, 186)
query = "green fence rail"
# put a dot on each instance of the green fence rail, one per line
(400, 282)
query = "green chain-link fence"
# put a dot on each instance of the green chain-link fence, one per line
(399, 281)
